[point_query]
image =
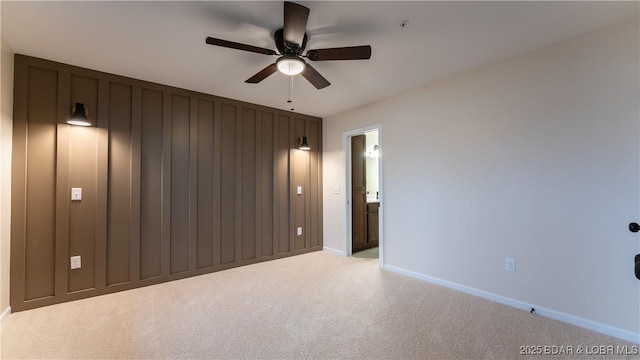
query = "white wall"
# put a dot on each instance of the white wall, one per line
(6, 129)
(371, 167)
(534, 158)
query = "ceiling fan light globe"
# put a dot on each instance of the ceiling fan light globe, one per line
(290, 65)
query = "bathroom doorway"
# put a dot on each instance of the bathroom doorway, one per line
(364, 193)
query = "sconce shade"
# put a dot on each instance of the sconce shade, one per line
(304, 145)
(79, 117)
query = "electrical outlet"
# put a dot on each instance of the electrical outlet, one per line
(76, 262)
(510, 264)
(299, 230)
(76, 194)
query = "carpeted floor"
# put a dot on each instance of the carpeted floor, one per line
(367, 254)
(316, 305)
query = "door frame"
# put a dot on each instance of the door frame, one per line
(346, 145)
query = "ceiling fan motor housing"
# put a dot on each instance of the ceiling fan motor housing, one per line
(286, 48)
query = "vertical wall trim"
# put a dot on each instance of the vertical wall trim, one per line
(102, 184)
(258, 187)
(307, 189)
(151, 187)
(275, 189)
(62, 184)
(19, 184)
(292, 185)
(135, 181)
(238, 187)
(166, 183)
(193, 183)
(318, 186)
(217, 186)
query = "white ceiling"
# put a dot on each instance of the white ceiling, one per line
(164, 42)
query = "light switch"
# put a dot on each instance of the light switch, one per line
(76, 194)
(299, 191)
(510, 264)
(76, 262)
(299, 230)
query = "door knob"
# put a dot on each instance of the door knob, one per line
(634, 227)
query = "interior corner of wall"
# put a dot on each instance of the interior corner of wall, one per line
(6, 126)
(5, 313)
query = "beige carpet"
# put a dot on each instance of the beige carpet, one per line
(316, 305)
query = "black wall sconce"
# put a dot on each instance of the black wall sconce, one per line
(634, 227)
(304, 145)
(79, 116)
(637, 268)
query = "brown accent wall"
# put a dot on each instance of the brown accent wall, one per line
(175, 184)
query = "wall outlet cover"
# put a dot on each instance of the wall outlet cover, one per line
(76, 262)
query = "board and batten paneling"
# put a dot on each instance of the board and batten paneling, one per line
(151, 183)
(118, 256)
(180, 123)
(38, 224)
(175, 183)
(207, 202)
(82, 173)
(265, 198)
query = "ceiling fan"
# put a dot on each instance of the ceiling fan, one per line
(291, 41)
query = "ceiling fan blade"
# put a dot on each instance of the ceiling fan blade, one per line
(341, 53)
(238, 46)
(314, 77)
(295, 22)
(263, 74)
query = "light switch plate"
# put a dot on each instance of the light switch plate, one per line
(299, 190)
(510, 264)
(76, 262)
(76, 194)
(299, 230)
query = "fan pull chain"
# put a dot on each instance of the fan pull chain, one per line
(290, 91)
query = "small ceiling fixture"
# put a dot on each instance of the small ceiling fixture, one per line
(373, 154)
(79, 117)
(304, 145)
(290, 65)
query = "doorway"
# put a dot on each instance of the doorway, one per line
(363, 184)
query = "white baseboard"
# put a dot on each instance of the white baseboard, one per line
(553, 314)
(333, 251)
(6, 312)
